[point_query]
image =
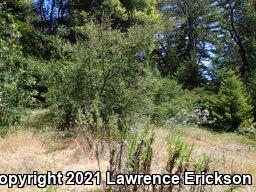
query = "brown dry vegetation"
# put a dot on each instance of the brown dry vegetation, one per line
(25, 151)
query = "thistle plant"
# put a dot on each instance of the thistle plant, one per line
(179, 157)
(201, 165)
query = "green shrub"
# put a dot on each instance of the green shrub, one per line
(231, 106)
(174, 103)
(14, 72)
(252, 91)
(189, 75)
(102, 76)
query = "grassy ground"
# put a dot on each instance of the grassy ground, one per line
(26, 150)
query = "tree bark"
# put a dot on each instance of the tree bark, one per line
(242, 50)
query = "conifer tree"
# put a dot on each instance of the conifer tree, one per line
(237, 20)
(190, 38)
(231, 106)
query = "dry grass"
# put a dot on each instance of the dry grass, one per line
(25, 151)
(230, 152)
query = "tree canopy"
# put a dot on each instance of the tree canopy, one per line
(103, 58)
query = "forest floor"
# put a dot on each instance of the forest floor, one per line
(27, 151)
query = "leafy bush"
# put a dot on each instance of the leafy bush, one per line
(14, 72)
(231, 106)
(102, 76)
(252, 91)
(189, 75)
(173, 102)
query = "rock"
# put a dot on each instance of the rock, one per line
(205, 113)
(200, 116)
(250, 129)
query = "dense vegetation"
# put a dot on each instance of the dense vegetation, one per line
(113, 62)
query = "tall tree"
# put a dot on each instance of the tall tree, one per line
(191, 38)
(122, 14)
(238, 24)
